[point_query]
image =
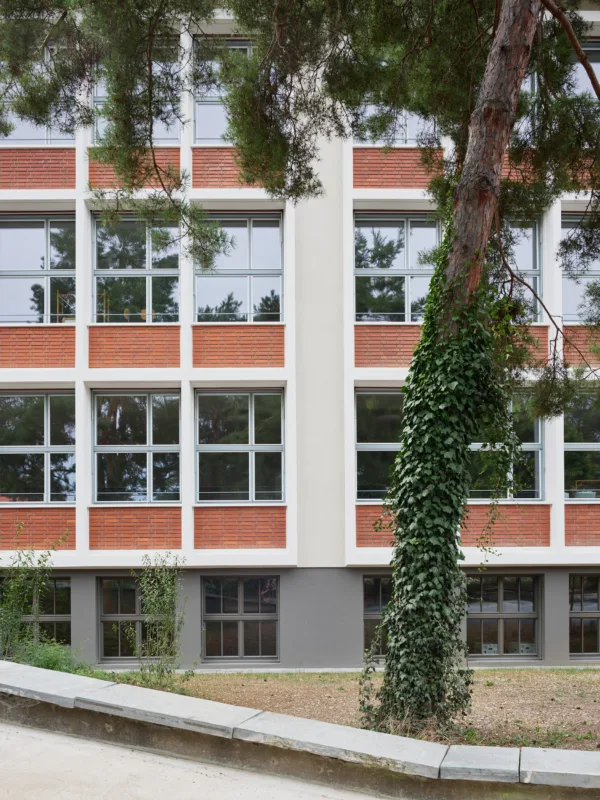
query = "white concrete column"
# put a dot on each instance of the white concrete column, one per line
(554, 472)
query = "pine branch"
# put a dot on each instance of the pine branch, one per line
(560, 15)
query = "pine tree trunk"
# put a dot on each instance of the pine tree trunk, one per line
(476, 196)
(453, 382)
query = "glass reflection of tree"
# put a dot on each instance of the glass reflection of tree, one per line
(226, 311)
(379, 296)
(121, 296)
(268, 308)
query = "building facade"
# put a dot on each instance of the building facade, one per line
(245, 419)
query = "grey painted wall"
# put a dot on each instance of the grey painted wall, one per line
(321, 618)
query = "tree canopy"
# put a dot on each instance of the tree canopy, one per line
(505, 104)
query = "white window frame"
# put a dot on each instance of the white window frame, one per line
(148, 272)
(47, 450)
(214, 97)
(406, 272)
(148, 449)
(247, 273)
(43, 275)
(370, 447)
(569, 221)
(250, 448)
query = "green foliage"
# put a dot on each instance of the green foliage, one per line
(51, 655)
(458, 384)
(22, 585)
(159, 653)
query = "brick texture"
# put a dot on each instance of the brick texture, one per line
(102, 176)
(376, 167)
(37, 346)
(238, 345)
(539, 347)
(215, 168)
(131, 528)
(136, 346)
(37, 168)
(580, 339)
(582, 524)
(41, 527)
(517, 526)
(366, 535)
(239, 527)
(385, 345)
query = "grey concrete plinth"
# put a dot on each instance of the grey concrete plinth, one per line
(576, 768)
(59, 688)
(396, 753)
(163, 708)
(466, 762)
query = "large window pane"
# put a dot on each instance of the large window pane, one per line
(526, 425)
(251, 639)
(121, 477)
(62, 245)
(62, 300)
(266, 244)
(224, 476)
(268, 477)
(419, 288)
(21, 420)
(489, 594)
(526, 594)
(590, 635)
(526, 475)
(165, 477)
(62, 477)
(267, 419)
(266, 298)
(110, 596)
(165, 247)
(474, 637)
(510, 601)
(165, 299)
(379, 245)
(121, 299)
(373, 473)
(211, 122)
(590, 593)
(487, 477)
(422, 238)
(22, 300)
(268, 596)
(511, 636)
(268, 638)
(582, 474)
(582, 419)
(489, 635)
(121, 419)
(238, 256)
(62, 596)
(222, 299)
(573, 291)
(524, 247)
(165, 419)
(379, 417)
(62, 419)
(380, 298)
(22, 477)
(575, 635)
(223, 419)
(212, 596)
(213, 639)
(22, 246)
(230, 639)
(122, 245)
(581, 79)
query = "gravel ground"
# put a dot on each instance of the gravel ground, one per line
(527, 707)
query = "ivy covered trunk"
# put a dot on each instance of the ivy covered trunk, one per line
(455, 382)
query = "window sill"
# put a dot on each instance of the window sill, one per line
(8, 144)
(380, 322)
(132, 324)
(213, 144)
(34, 325)
(35, 504)
(133, 504)
(580, 500)
(513, 501)
(241, 504)
(232, 324)
(383, 146)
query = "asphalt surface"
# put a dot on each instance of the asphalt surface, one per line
(36, 763)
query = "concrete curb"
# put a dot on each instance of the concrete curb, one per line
(399, 767)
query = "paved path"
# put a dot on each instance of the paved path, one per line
(35, 763)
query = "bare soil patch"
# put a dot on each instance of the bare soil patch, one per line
(511, 707)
